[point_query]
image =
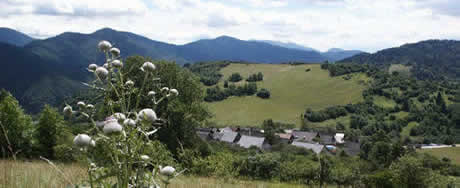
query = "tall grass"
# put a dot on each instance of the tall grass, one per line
(38, 174)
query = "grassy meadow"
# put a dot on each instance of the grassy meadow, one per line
(292, 89)
(453, 153)
(38, 174)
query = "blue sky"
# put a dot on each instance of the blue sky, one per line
(368, 25)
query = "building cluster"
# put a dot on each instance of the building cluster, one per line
(252, 137)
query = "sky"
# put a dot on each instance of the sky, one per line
(368, 25)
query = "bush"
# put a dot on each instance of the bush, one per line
(263, 93)
(235, 77)
(64, 153)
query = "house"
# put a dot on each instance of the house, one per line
(326, 139)
(285, 137)
(248, 141)
(339, 138)
(317, 148)
(305, 136)
(229, 136)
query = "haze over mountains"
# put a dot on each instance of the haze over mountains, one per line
(49, 70)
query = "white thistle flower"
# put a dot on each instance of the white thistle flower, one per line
(92, 67)
(129, 83)
(167, 171)
(174, 92)
(119, 116)
(164, 89)
(117, 64)
(81, 104)
(115, 52)
(145, 157)
(106, 65)
(68, 111)
(100, 124)
(112, 126)
(148, 67)
(148, 115)
(129, 122)
(83, 140)
(151, 93)
(90, 106)
(102, 72)
(104, 46)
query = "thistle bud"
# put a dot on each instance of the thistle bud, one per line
(104, 45)
(164, 89)
(147, 115)
(90, 106)
(148, 67)
(129, 122)
(81, 105)
(129, 83)
(106, 65)
(112, 126)
(115, 52)
(117, 64)
(174, 92)
(119, 116)
(92, 67)
(167, 171)
(151, 93)
(68, 111)
(83, 140)
(102, 73)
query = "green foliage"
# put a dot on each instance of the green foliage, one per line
(255, 77)
(269, 131)
(263, 93)
(48, 131)
(323, 115)
(218, 94)
(235, 77)
(16, 130)
(208, 72)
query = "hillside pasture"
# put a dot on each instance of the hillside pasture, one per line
(292, 88)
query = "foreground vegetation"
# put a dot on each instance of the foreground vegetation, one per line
(451, 153)
(292, 89)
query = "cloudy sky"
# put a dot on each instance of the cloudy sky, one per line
(368, 25)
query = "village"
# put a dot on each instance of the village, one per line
(253, 137)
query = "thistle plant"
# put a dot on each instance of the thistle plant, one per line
(117, 148)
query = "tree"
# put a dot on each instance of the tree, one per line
(183, 114)
(263, 93)
(225, 84)
(380, 154)
(47, 132)
(15, 128)
(235, 77)
(260, 76)
(441, 103)
(269, 131)
(409, 172)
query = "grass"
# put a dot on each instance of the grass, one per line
(37, 174)
(384, 102)
(453, 153)
(292, 91)
(406, 130)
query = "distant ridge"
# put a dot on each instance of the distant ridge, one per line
(14, 37)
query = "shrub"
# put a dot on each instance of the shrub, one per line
(263, 93)
(235, 77)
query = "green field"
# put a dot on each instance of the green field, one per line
(292, 91)
(453, 153)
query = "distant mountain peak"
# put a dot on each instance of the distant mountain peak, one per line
(335, 50)
(226, 37)
(290, 45)
(14, 37)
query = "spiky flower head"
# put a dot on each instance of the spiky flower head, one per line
(92, 67)
(119, 116)
(145, 157)
(147, 115)
(129, 83)
(117, 64)
(167, 171)
(115, 52)
(174, 92)
(148, 67)
(112, 126)
(104, 46)
(102, 73)
(83, 140)
(129, 122)
(151, 93)
(81, 105)
(68, 111)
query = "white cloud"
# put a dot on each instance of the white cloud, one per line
(352, 24)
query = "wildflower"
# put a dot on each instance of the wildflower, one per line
(83, 140)
(119, 116)
(81, 105)
(129, 83)
(174, 92)
(68, 111)
(90, 106)
(115, 52)
(102, 72)
(167, 171)
(164, 89)
(104, 45)
(148, 115)
(106, 65)
(117, 64)
(129, 122)
(112, 126)
(145, 157)
(92, 67)
(151, 93)
(148, 67)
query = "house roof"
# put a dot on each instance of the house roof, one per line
(284, 135)
(304, 135)
(317, 148)
(326, 139)
(228, 136)
(248, 141)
